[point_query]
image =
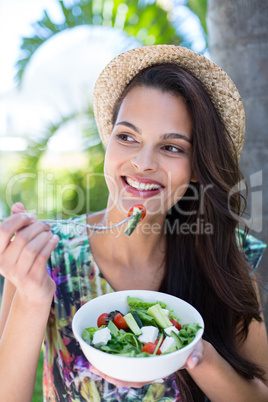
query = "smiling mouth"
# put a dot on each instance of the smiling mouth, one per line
(141, 186)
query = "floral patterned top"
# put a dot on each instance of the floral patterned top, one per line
(66, 371)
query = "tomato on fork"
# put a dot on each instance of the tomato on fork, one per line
(141, 208)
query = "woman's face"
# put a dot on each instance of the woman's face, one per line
(148, 158)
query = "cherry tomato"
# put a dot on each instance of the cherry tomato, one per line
(101, 319)
(141, 207)
(149, 347)
(176, 324)
(120, 322)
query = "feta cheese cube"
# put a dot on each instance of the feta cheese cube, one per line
(166, 311)
(168, 343)
(101, 337)
(169, 329)
(149, 334)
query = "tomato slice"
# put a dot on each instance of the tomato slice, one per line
(141, 207)
(176, 324)
(101, 320)
(149, 347)
(120, 322)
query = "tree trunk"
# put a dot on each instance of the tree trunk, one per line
(238, 42)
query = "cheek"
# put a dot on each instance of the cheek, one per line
(115, 157)
(182, 178)
(108, 169)
(112, 163)
(106, 164)
(109, 177)
(110, 158)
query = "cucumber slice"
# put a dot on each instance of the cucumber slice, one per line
(137, 319)
(113, 328)
(170, 350)
(159, 315)
(132, 223)
(131, 322)
(179, 343)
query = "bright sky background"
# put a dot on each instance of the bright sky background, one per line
(44, 94)
(16, 17)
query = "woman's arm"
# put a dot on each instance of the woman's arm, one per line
(221, 383)
(20, 348)
(26, 303)
(7, 298)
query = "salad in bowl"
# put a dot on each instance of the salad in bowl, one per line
(137, 335)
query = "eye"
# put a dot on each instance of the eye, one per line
(172, 149)
(125, 138)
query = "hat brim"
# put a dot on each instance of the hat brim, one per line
(120, 71)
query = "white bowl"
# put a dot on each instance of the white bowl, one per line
(138, 369)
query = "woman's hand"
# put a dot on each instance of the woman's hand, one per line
(193, 360)
(23, 260)
(196, 357)
(116, 382)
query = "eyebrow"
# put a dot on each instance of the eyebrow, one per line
(166, 136)
(130, 125)
(169, 136)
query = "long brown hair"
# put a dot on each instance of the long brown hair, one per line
(204, 264)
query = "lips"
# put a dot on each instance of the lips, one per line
(142, 187)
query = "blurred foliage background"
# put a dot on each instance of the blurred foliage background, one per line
(72, 183)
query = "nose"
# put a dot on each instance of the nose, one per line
(145, 159)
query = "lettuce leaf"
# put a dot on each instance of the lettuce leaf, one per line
(89, 332)
(125, 344)
(136, 303)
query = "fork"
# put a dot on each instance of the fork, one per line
(91, 227)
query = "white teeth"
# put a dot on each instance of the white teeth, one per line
(141, 186)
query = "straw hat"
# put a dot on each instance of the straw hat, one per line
(119, 72)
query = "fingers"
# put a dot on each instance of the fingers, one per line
(11, 225)
(23, 257)
(36, 246)
(29, 253)
(36, 270)
(34, 284)
(32, 238)
(47, 250)
(193, 360)
(24, 240)
(196, 357)
(18, 207)
(116, 382)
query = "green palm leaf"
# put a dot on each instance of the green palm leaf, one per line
(128, 15)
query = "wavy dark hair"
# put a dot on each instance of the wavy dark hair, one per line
(206, 267)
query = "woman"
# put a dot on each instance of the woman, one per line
(173, 125)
